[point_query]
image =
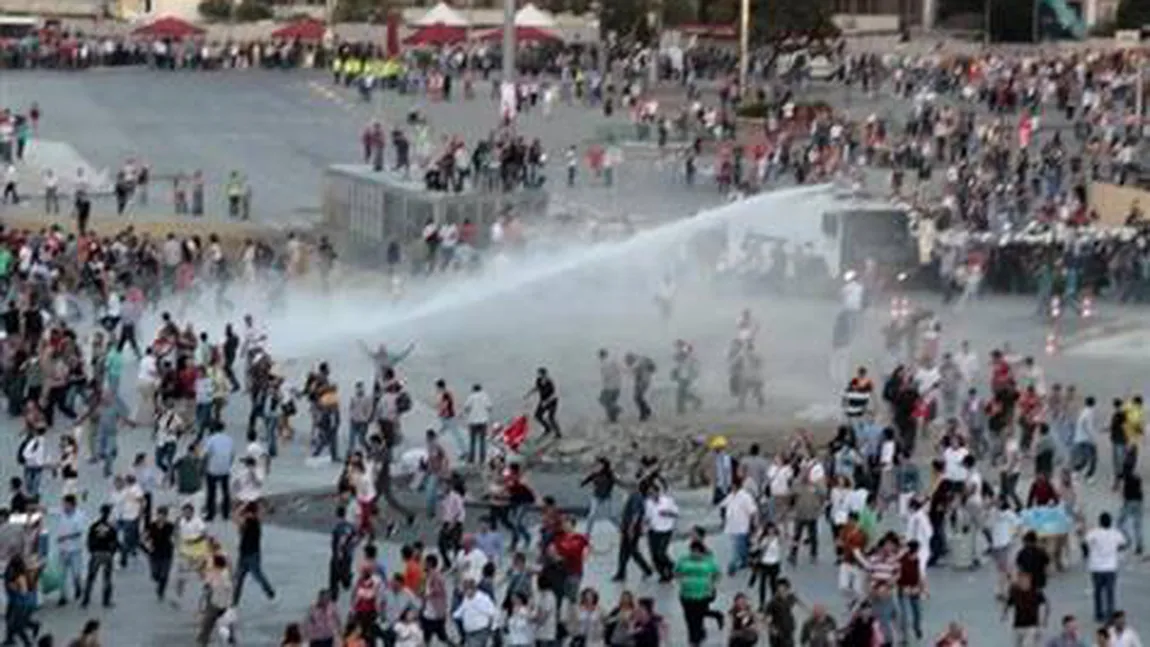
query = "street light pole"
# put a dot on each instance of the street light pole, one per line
(509, 41)
(655, 20)
(1140, 97)
(986, 22)
(1034, 21)
(744, 43)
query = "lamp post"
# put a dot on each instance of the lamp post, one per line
(509, 41)
(655, 22)
(600, 55)
(744, 43)
(986, 9)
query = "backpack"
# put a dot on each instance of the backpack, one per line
(403, 402)
(22, 449)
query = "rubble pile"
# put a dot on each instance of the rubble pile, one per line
(680, 444)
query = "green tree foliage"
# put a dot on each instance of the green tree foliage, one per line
(627, 19)
(216, 10)
(679, 12)
(1133, 14)
(225, 10)
(253, 10)
(1011, 22)
(800, 23)
(360, 11)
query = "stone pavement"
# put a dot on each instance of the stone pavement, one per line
(282, 129)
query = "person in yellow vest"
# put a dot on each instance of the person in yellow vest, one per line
(356, 70)
(1133, 427)
(336, 69)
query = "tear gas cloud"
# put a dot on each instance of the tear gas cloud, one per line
(557, 308)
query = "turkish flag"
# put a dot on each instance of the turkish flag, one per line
(515, 433)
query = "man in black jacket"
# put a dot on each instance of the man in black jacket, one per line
(102, 546)
(631, 531)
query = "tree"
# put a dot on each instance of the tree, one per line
(253, 10)
(627, 19)
(718, 12)
(360, 11)
(785, 20)
(678, 12)
(1133, 14)
(225, 10)
(216, 10)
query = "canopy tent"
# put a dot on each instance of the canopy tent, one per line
(435, 35)
(168, 27)
(308, 29)
(392, 34)
(442, 14)
(522, 35)
(532, 16)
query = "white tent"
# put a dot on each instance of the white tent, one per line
(532, 16)
(442, 14)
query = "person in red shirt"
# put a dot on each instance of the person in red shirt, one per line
(911, 587)
(468, 233)
(1030, 415)
(572, 548)
(1042, 492)
(412, 568)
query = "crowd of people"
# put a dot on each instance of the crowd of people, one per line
(907, 483)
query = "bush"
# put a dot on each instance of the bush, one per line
(246, 11)
(1133, 14)
(216, 9)
(250, 11)
(1104, 29)
(754, 110)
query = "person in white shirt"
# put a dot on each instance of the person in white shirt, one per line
(919, 528)
(779, 477)
(769, 546)
(193, 546)
(1004, 525)
(1121, 635)
(408, 633)
(477, 413)
(248, 482)
(253, 342)
(147, 381)
(476, 614)
(661, 513)
(974, 508)
(470, 560)
(519, 624)
(128, 501)
(967, 362)
(546, 617)
(739, 514)
(34, 456)
(1085, 450)
(954, 455)
(1103, 544)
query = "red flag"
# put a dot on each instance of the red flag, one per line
(515, 433)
